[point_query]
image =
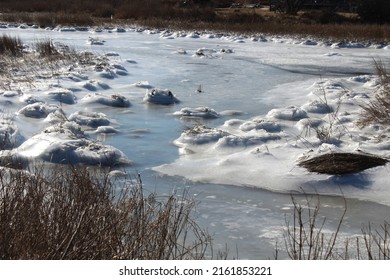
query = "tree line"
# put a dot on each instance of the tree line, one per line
(369, 11)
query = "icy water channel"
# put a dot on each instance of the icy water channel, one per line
(249, 81)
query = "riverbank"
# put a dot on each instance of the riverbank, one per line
(326, 25)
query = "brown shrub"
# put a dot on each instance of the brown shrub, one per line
(75, 213)
(342, 163)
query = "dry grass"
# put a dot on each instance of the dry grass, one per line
(375, 245)
(342, 163)
(74, 213)
(10, 46)
(46, 48)
(306, 238)
(378, 110)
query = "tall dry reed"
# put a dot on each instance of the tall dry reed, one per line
(71, 212)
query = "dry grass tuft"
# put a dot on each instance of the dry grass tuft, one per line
(10, 46)
(75, 213)
(305, 236)
(46, 48)
(342, 163)
(378, 110)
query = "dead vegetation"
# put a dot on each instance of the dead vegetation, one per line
(22, 66)
(378, 110)
(304, 236)
(342, 163)
(309, 236)
(75, 213)
(10, 46)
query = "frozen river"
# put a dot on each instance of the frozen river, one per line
(240, 78)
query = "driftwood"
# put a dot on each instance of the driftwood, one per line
(342, 163)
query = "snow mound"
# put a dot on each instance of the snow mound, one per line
(114, 100)
(30, 99)
(95, 41)
(10, 93)
(58, 116)
(67, 29)
(37, 110)
(332, 54)
(309, 43)
(94, 85)
(200, 112)
(107, 74)
(63, 95)
(193, 35)
(317, 107)
(142, 84)
(291, 113)
(306, 124)
(119, 69)
(91, 119)
(199, 135)
(205, 52)
(211, 53)
(243, 141)
(161, 97)
(106, 129)
(348, 45)
(261, 124)
(66, 143)
(112, 54)
(361, 78)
